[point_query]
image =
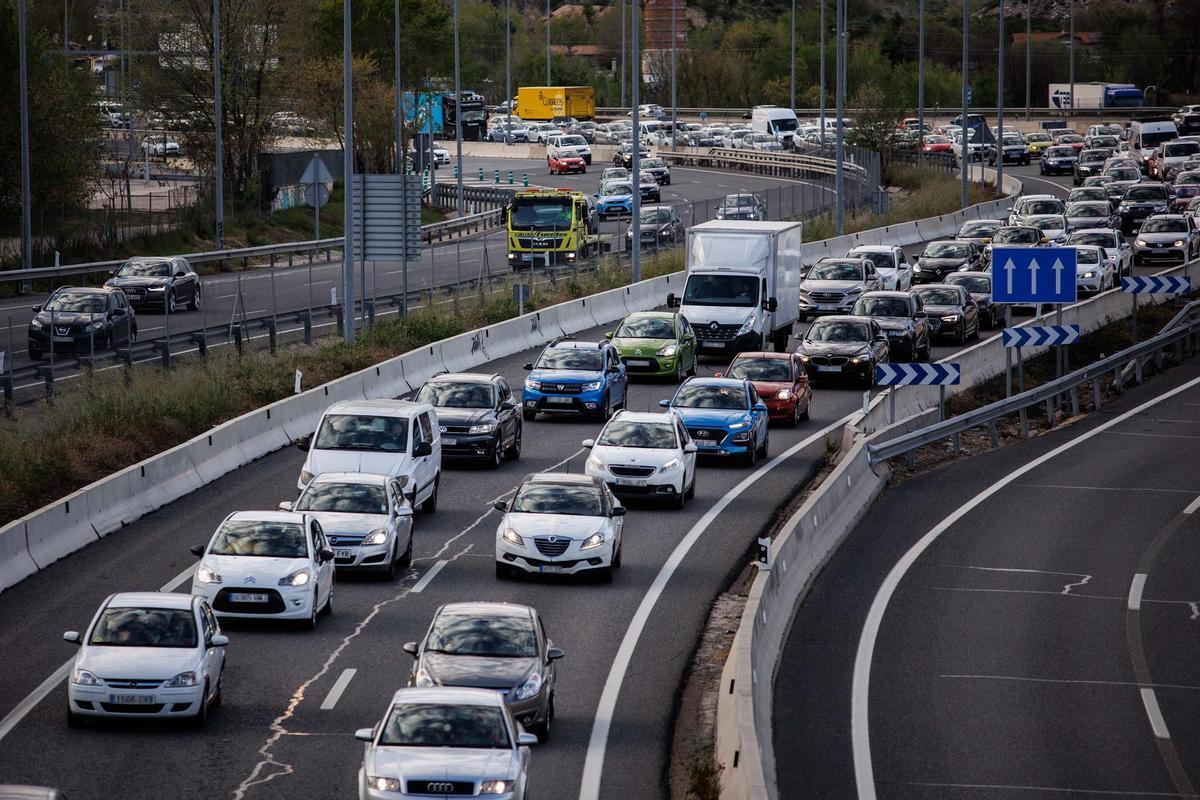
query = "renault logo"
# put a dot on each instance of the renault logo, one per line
(439, 787)
(714, 325)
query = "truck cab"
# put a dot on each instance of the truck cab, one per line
(550, 226)
(780, 123)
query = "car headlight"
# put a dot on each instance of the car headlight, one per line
(917, 268)
(424, 679)
(593, 386)
(305, 476)
(747, 326)
(300, 577)
(595, 540)
(1178, 243)
(1089, 274)
(950, 318)
(81, 677)
(377, 536)
(383, 784)
(783, 394)
(36, 324)
(495, 787)
(805, 359)
(737, 426)
(670, 466)
(668, 350)
(533, 385)
(512, 537)
(181, 680)
(486, 427)
(530, 688)
(1141, 242)
(594, 463)
(207, 575)
(156, 288)
(1161, 208)
(95, 326)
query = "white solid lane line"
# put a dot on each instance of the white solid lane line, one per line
(1157, 723)
(428, 577)
(1192, 506)
(1135, 592)
(864, 771)
(339, 686)
(593, 766)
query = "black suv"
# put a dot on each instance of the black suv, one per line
(1140, 201)
(80, 320)
(477, 415)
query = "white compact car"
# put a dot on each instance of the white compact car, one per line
(147, 654)
(1093, 270)
(891, 265)
(366, 519)
(445, 741)
(1116, 249)
(396, 438)
(645, 455)
(561, 524)
(266, 565)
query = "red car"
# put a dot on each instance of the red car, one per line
(936, 143)
(779, 379)
(562, 163)
(1069, 139)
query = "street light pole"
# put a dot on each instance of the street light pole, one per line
(507, 71)
(1028, 53)
(840, 91)
(399, 95)
(1072, 50)
(458, 113)
(920, 74)
(348, 170)
(26, 218)
(964, 138)
(1000, 108)
(218, 138)
(674, 96)
(635, 226)
(822, 78)
(547, 42)
(793, 95)
(623, 67)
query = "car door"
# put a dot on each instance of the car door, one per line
(689, 459)
(687, 343)
(322, 567)
(214, 657)
(506, 417)
(426, 467)
(970, 310)
(118, 313)
(903, 270)
(397, 501)
(616, 375)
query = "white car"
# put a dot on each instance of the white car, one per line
(1093, 270)
(445, 741)
(147, 654)
(1116, 249)
(440, 154)
(1032, 204)
(640, 454)
(366, 519)
(396, 438)
(266, 565)
(561, 524)
(540, 132)
(160, 146)
(570, 144)
(891, 265)
(1053, 227)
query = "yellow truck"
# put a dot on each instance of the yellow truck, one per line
(550, 226)
(544, 103)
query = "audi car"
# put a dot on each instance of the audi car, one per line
(951, 311)
(938, 259)
(477, 416)
(979, 287)
(159, 281)
(723, 416)
(644, 455)
(656, 344)
(572, 377)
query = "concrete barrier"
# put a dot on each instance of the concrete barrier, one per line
(460, 353)
(15, 562)
(59, 530)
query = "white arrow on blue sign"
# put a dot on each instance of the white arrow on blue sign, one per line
(1040, 335)
(917, 374)
(1152, 284)
(1033, 275)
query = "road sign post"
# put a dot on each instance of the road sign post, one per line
(1152, 284)
(1034, 276)
(938, 374)
(520, 294)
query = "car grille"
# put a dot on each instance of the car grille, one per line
(466, 788)
(631, 471)
(830, 361)
(562, 388)
(707, 434)
(345, 539)
(132, 708)
(273, 605)
(456, 428)
(721, 333)
(827, 297)
(530, 242)
(132, 684)
(552, 549)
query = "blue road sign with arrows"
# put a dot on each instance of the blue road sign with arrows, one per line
(1036, 335)
(970, 95)
(917, 374)
(1152, 284)
(1032, 275)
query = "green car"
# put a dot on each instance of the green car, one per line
(657, 344)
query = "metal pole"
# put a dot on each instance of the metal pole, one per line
(1008, 355)
(66, 38)
(920, 74)
(1028, 52)
(840, 178)
(1000, 109)
(822, 71)
(966, 150)
(635, 160)
(26, 217)
(348, 170)
(547, 42)
(507, 70)
(458, 112)
(674, 116)
(793, 94)
(623, 66)
(1071, 47)
(399, 96)
(219, 160)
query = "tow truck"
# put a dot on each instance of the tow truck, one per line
(551, 226)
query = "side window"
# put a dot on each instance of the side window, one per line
(417, 435)
(505, 392)
(112, 300)
(212, 618)
(682, 431)
(318, 539)
(206, 626)
(426, 428)
(753, 395)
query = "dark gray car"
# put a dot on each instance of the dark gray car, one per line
(902, 318)
(158, 281)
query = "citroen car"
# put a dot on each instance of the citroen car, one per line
(1166, 239)
(656, 344)
(571, 377)
(645, 455)
(723, 416)
(147, 655)
(477, 416)
(979, 287)
(1116, 249)
(939, 259)
(903, 320)
(560, 523)
(779, 379)
(951, 311)
(168, 283)
(81, 320)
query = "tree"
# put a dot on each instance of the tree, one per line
(875, 126)
(317, 87)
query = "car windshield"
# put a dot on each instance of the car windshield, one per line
(1047, 223)
(743, 200)
(362, 432)
(881, 307)
(836, 271)
(721, 290)
(615, 172)
(127, 626)
(1013, 141)
(1016, 236)
(1164, 225)
(444, 394)
(975, 284)
(838, 331)
(707, 395)
(248, 537)
(1039, 137)
(880, 260)
(145, 269)
(1098, 180)
(1180, 149)
(572, 141)
(1124, 174)
(1087, 210)
(939, 297)
(946, 250)
(617, 189)
(1087, 193)
(483, 635)
(1041, 207)
(1060, 152)
(437, 725)
(627, 433)
(1104, 141)
(1187, 179)
(77, 302)
(541, 214)
(653, 163)
(569, 499)
(1093, 155)
(936, 140)
(345, 498)
(571, 358)
(1086, 256)
(1095, 239)
(646, 328)
(1145, 193)
(980, 230)
(776, 370)
(655, 216)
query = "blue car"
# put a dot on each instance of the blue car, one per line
(575, 378)
(1058, 160)
(615, 197)
(723, 416)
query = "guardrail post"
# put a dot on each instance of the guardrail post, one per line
(1050, 412)
(1097, 395)
(994, 434)
(307, 327)
(1024, 423)
(910, 458)
(1074, 401)
(48, 379)
(270, 326)
(341, 319)
(236, 329)
(524, 178)
(201, 341)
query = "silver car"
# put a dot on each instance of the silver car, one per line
(1166, 239)
(445, 741)
(833, 285)
(498, 646)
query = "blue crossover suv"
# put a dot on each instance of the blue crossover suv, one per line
(724, 417)
(575, 378)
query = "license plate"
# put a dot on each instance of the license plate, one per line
(711, 343)
(550, 570)
(343, 553)
(895, 334)
(246, 597)
(704, 444)
(935, 324)
(630, 482)
(63, 339)
(638, 362)
(827, 306)
(559, 400)
(133, 699)
(449, 442)
(828, 368)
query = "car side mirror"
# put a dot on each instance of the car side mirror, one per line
(422, 449)
(608, 335)
(365, 734)
(588, 443)
(500, 506)
(181, 274)
(528, 367)
(72, 637)
(920, 315)
(285, 506)
(718, 375)
(770, 304)
(664, 403)
(303, 442)
(690, 447)
(326, 554)
(36, 309)
(672, 301)
(197, 549)
(219, 640)
(526, 739)
(554, 654)
(410, 648)
(507, 405)
(618, 511)
(759, 407)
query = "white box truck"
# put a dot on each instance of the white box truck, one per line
(742, 289)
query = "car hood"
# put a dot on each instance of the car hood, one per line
(484, 672)
(137, 663)
(68, 317)
(135, 282)
(935, 310)
(614, 198)
(648, 347)
(370, 461)
(440, 763)
(832, 348)
(570, 525)
(712, 417)
(768, 389)
(820, 285)
(464, 416)
(639, 456)
(335, 522)
(1173, 236)
(571, 376)
(926, 262)
(893, 323)
(703, 316)
(252, 571)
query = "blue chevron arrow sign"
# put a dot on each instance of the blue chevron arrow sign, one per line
(916, 374)
(1152, 284)
(1039, 335)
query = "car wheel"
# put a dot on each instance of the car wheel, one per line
(311, 622)
(605, 410)
(497, 454)
(605, 574)
(690, 492)
(430, 504)
(216, 701)
(389, 572)
(766, 446)
(36, 353)
(680, 372)
(200, 719)
(542, 729)
(194, 305)
(527, 415)
(514, 450)
(751, 456)
(406, 556)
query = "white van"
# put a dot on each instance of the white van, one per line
(397, 438)
(1144, 137)
(775, 121)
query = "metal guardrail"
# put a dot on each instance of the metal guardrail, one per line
(792, 165)
(1183, 337)
(1015, 111)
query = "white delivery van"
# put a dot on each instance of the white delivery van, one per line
(1145, 137)
(775, 121)
(396, 438)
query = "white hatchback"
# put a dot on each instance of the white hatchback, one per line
(640, 454)
(147, 654)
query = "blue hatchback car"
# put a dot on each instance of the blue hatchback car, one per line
(615, 197)
(575, 378)
(724, 417)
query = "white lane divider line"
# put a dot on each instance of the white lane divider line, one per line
(428, 577)
(1071, 681)
(1157, 723)
(1066, 589)
(339, 686)
(1192, 506)
(1135, 592)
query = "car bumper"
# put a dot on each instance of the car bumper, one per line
(858, 372)
(468, 446)
(585, 403)
(658, 484)
(1160, 255)
(362, 557)
(74, 343)
(574, 561)
(1129, 221)
(1090, 285)
(738, 344)
(284, 602)
(931, 277)
(811, 309)
(100, 701)
(142, 299)
(650, 366)
(606, 211)
(573, 166)
(367, 793)
(1053, 169)
(779, 410)
(900, 343)
(938, 327)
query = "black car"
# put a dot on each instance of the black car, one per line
(477, 414)
(158, 281)
(80, 320)
(902, 318)
(742, 206)
(623, 157)
(1090, 162)
(951, 310)
(660, 226)
(939, 259)
(658, 168)
(979, 286)
(1140, 201)
(844, 346)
